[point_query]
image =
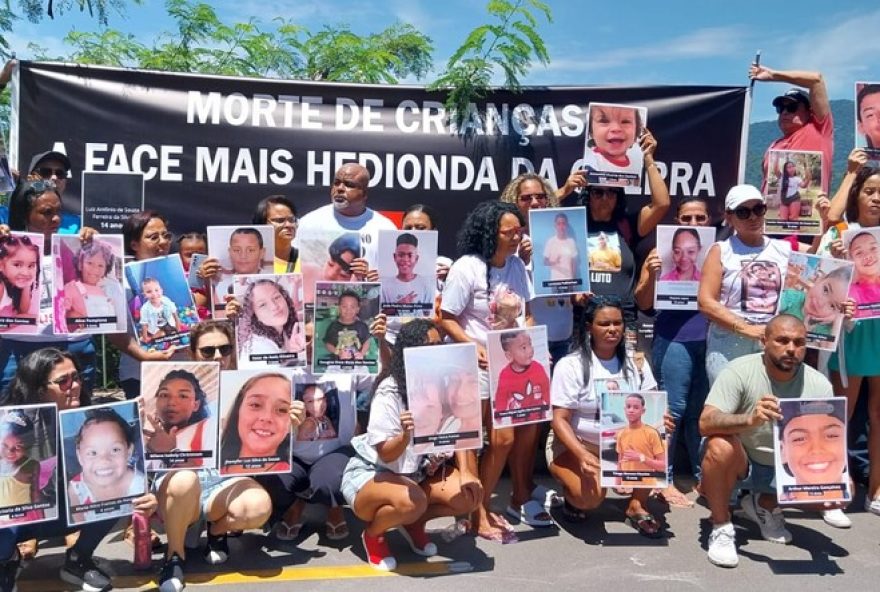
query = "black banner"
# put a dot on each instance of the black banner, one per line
(210, 147)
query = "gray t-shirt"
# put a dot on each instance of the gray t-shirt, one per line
(741, 385)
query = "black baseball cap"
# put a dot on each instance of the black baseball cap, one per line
(795, 94)
(49, 155)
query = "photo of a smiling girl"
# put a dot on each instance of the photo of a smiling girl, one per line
(20, 282)
(270, 328)
(104, 461)
(612, 155)
(28, 437)
(863, 248)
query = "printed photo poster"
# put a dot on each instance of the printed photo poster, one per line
(794, 184)
(329, 400)
(327, 257)
(408, 272)
(863, 246)
(180, 414)
(270, 327)
(604, 252)
(103, 461)
(612, 154)
(242, 250)
(559, 259)
(29, 434)
(810, 449)
(682, 250)
(816, 290)
(443, 388)
(255, 431)
(867, 119)
(633, 449)
(88, 295)
(159, 303)
(519, 376)
(20, 283)
(761, 287)
(108, 199)
(344, 312)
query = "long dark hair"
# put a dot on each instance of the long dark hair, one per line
(412, 334)
(785, 177)
(230, 441)
(583, 320)
(253, 326)
(479, 233)
(852, 200)
(21, 202)
(28, 386)
(202, 412)
(8, 245)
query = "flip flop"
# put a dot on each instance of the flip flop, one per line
(285, 532)
(531, 513)
(572, 514)
(337, 532)
(646, 525)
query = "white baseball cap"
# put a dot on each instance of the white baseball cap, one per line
(740, 194)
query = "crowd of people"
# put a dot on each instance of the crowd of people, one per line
(725, 366)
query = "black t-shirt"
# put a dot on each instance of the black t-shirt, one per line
(347, 337)
(612, 264)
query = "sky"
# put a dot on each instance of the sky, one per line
(678, 42)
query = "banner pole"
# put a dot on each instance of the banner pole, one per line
(747, 116)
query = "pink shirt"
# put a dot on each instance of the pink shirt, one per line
(864, 293)
(816, 136)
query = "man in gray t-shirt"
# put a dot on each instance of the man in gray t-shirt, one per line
(737, 425)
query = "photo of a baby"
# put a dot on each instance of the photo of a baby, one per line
(519, 378)
(612, 155)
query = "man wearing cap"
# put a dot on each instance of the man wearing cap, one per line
(804, 117)
(51, 166)
(737, 423)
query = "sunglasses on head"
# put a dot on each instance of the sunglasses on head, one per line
(698, 218)
(65, 383)
(744, 213)
(48, 172)
(790, 107)
(38, 187)
(209, 351)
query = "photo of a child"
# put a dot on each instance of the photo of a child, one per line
(867, 107)
(519, 362)
(761, 286)
(863, 247)
(633, 452)
(103, 461)
(20, 266)
(794, 184)
(269, 330)
(240, 250)
(343, 313)
(612, 155)
(327, 257)
(560, 264)
(322, 412)
(407, 264)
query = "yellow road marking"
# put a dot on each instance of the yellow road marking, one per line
(285, 574)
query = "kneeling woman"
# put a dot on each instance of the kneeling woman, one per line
(386, 483)
(573, 447)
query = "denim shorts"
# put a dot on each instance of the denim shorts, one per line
(759, 478)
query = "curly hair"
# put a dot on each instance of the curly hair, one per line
(510, 194)
(18, 424)
(412, 334)
(852, 200)
(583, 320)
(251, 325)
(9, 244)
(479, 232)
(209, 326)
(105, 415)
(95, 247)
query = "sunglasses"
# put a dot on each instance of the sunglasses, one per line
(599, 192)
(209, 351)
(66, 382)
(698, 218)
(49, 172)
(788, 107)
(527, 197)
(745, 213)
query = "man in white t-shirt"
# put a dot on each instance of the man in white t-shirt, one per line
(348, 211)
(408, 293)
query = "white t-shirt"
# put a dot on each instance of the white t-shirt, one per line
(561, 253)
(384, 424)
(467, 296)
(325, 220)
(395, 290)
(568, 391)
(557, 313)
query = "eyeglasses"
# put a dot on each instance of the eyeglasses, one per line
(49, 172)
(66, 382)
(158, 236)
(790, 107)
(209, 351)
(698, 218)
(527, 197)
(511, 232)
(283, 221)
(744, 213)
(600, 192)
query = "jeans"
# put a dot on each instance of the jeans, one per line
(681, 372)
(722, 347)
(12, 352)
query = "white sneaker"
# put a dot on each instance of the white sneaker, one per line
(836, 518)
(722, 546)
(872, 505)
(771, 522)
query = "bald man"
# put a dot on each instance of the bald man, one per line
(737, 423)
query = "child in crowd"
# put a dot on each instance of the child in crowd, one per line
(864, 250)
(523, 383)
(19, 277)
(190, 244)
(158, 315)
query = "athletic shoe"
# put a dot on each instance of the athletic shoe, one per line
(872, 505)
(171, 577)
(378, 554)
(836, 518)
(722, 546)
(216, 549)
(9, 571)
(771, 522)
(82, 572)
(418, 540)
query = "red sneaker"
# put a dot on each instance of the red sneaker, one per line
(378, 554)
(418, 540)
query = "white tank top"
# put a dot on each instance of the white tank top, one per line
(752, 277)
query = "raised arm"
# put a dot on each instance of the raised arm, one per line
(812, 81)
(855, 161)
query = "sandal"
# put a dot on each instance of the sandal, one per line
(286, 532)
(337, 532)
(646, 525)
(549, 498)
(531, 513)
(573, 514)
